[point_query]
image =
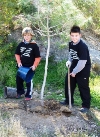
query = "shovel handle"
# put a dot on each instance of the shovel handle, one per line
(69, 90)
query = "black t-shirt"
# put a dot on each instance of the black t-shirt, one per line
(80, 52)
(28, 53)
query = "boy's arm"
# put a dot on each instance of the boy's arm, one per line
(37, 57)
(80, 65)
(36, 63)
(17, 58)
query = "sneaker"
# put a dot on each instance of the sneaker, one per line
(27, 99)
(84, 110)
(65, 103)
(18, 96)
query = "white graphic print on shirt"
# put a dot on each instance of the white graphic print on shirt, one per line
(27, 52)
(22, 49)
(73, 54)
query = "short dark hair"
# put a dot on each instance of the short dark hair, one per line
(75, 29)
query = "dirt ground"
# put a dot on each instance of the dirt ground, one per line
(49, 119)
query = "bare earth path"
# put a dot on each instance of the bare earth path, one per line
(48, 120)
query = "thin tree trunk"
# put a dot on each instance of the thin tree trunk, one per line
(46, 68)
(47, 56)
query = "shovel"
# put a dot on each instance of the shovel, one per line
(65, 110)
(69, 90)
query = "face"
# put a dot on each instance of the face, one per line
(27, 37)
(75, 37)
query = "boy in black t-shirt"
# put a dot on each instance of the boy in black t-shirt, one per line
(27, 54)
(79, 63)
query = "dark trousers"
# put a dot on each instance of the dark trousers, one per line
(83, 85)
(20, 87)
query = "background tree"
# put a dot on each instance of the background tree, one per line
(90, 9)
(53, 19)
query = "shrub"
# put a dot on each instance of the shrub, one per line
(90, 9)
(26, 7)
(7, 51)
(7, 74)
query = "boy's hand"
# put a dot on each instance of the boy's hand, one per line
(72, 74)
(33, 67)
(68, 64)
(19, 65)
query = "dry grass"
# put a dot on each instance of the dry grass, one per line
(10, 127)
